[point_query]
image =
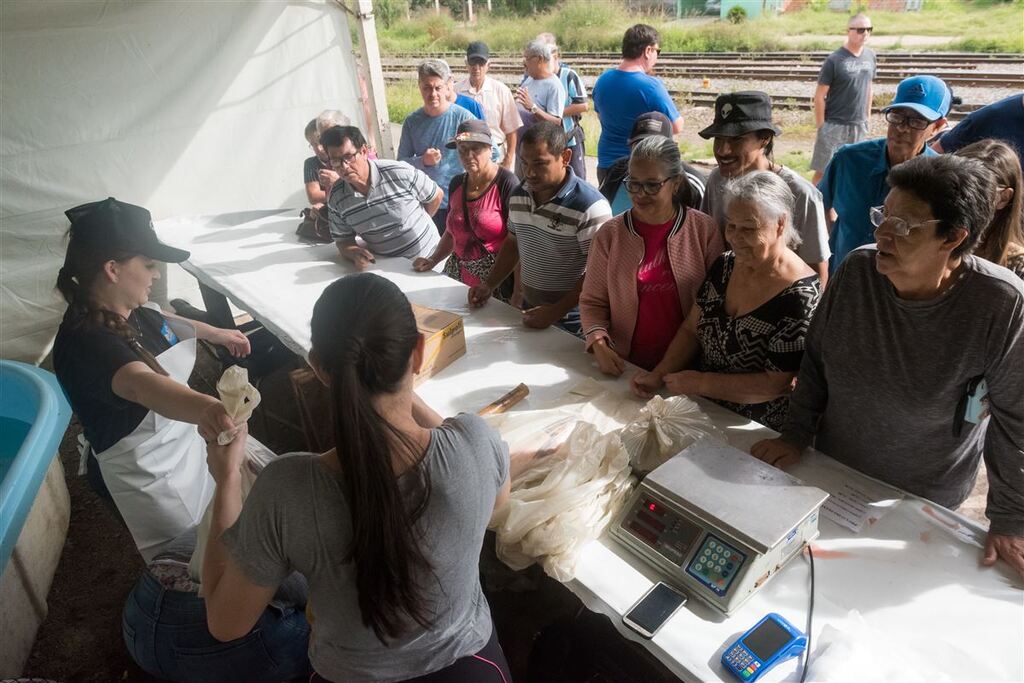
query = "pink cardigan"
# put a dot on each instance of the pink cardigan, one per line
(609, 301)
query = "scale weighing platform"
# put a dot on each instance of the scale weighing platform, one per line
(718, 522)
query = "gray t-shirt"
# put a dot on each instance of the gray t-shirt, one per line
(808, 212)
(882, 379)
(848, 79)
(296, 518)
(548, 94)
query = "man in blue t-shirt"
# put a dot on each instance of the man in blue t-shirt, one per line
(627, 91)
(856, 178)
(426, 131)
(1002, 120)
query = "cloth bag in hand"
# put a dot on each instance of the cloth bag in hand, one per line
(239, 398)
(563, 502)
(663, 428)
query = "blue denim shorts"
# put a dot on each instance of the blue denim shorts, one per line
(165, 633)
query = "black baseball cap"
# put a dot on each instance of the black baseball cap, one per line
(470, 130)
(738, 113)
(650, 124)
(478, 50)
(111, 225)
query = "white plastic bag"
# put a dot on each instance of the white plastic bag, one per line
(663, 428)
(239, 398)
(563, 502)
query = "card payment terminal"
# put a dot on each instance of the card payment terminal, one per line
(770, 641)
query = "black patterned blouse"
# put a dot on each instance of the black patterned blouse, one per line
(769, 338)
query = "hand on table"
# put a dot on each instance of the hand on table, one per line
(1009, 548)
(683, 382)
(234, 341)
(609, 362)
(422, 265)
(516, 300)
(540, 317)
(431, 157)
(644, 384)
(776, 452)
(479, 295)
(214, 420)
(361, 257)
(225, 462)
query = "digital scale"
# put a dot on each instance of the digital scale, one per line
(718, 522)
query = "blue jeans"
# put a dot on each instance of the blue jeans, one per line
(165, 633)
(570, 322)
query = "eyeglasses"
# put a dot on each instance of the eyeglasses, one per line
(896, 226)
(346, 159)
(862, 31)
(913, 122)
(650, 187)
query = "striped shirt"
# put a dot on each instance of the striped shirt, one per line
(390, 217)
(554, 238)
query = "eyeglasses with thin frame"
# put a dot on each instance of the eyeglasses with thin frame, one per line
(896, 225)
(914, 122)
(649, 187)
(862, 30)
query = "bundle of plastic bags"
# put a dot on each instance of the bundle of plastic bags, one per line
(663, 428)
(563, 502)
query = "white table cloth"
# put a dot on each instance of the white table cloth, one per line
(907, 593)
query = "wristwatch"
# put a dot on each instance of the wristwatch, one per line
(533, 109)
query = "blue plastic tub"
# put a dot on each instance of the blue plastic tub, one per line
(33, 417)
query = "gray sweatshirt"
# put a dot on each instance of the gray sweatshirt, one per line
(882, 379)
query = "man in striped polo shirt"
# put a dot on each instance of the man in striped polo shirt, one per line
(552, 218)
(387, 203)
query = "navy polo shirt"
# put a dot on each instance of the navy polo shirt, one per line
(854, 181)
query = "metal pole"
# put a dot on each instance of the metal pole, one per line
(373, 75)
(469, 10)
(488, 6)
(437, 6)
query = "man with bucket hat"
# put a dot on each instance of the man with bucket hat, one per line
(855, 179)
(744, 137)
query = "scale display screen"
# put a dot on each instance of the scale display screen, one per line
(661, 528)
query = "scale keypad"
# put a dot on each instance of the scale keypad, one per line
(716, 564)
(742, 662)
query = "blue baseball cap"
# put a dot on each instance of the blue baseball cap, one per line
(927, 95)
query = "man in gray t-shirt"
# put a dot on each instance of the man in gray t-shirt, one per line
(541, 96)
(842, 101)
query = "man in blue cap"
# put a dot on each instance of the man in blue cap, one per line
(854, 180)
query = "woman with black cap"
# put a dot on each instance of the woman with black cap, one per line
(124, 365)
(744, 141)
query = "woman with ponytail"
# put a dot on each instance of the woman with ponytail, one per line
(387, 526)
(124, 366)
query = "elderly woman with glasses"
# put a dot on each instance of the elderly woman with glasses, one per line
(914, 363)
(744, 338)
(646, 265)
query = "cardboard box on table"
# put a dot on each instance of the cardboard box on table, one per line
(445, 340)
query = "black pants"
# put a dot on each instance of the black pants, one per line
(486, 666)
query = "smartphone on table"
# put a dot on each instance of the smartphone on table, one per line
(650, 612)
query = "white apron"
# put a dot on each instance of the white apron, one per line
(157, 475)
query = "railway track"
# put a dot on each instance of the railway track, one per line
(703, 98)
(796, 71)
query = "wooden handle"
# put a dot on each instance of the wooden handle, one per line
(507, 401)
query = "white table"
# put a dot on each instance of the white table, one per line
(925, 606)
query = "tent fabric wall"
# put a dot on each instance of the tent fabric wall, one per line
(182, 107)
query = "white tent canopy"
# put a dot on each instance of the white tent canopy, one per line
(182, 107)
